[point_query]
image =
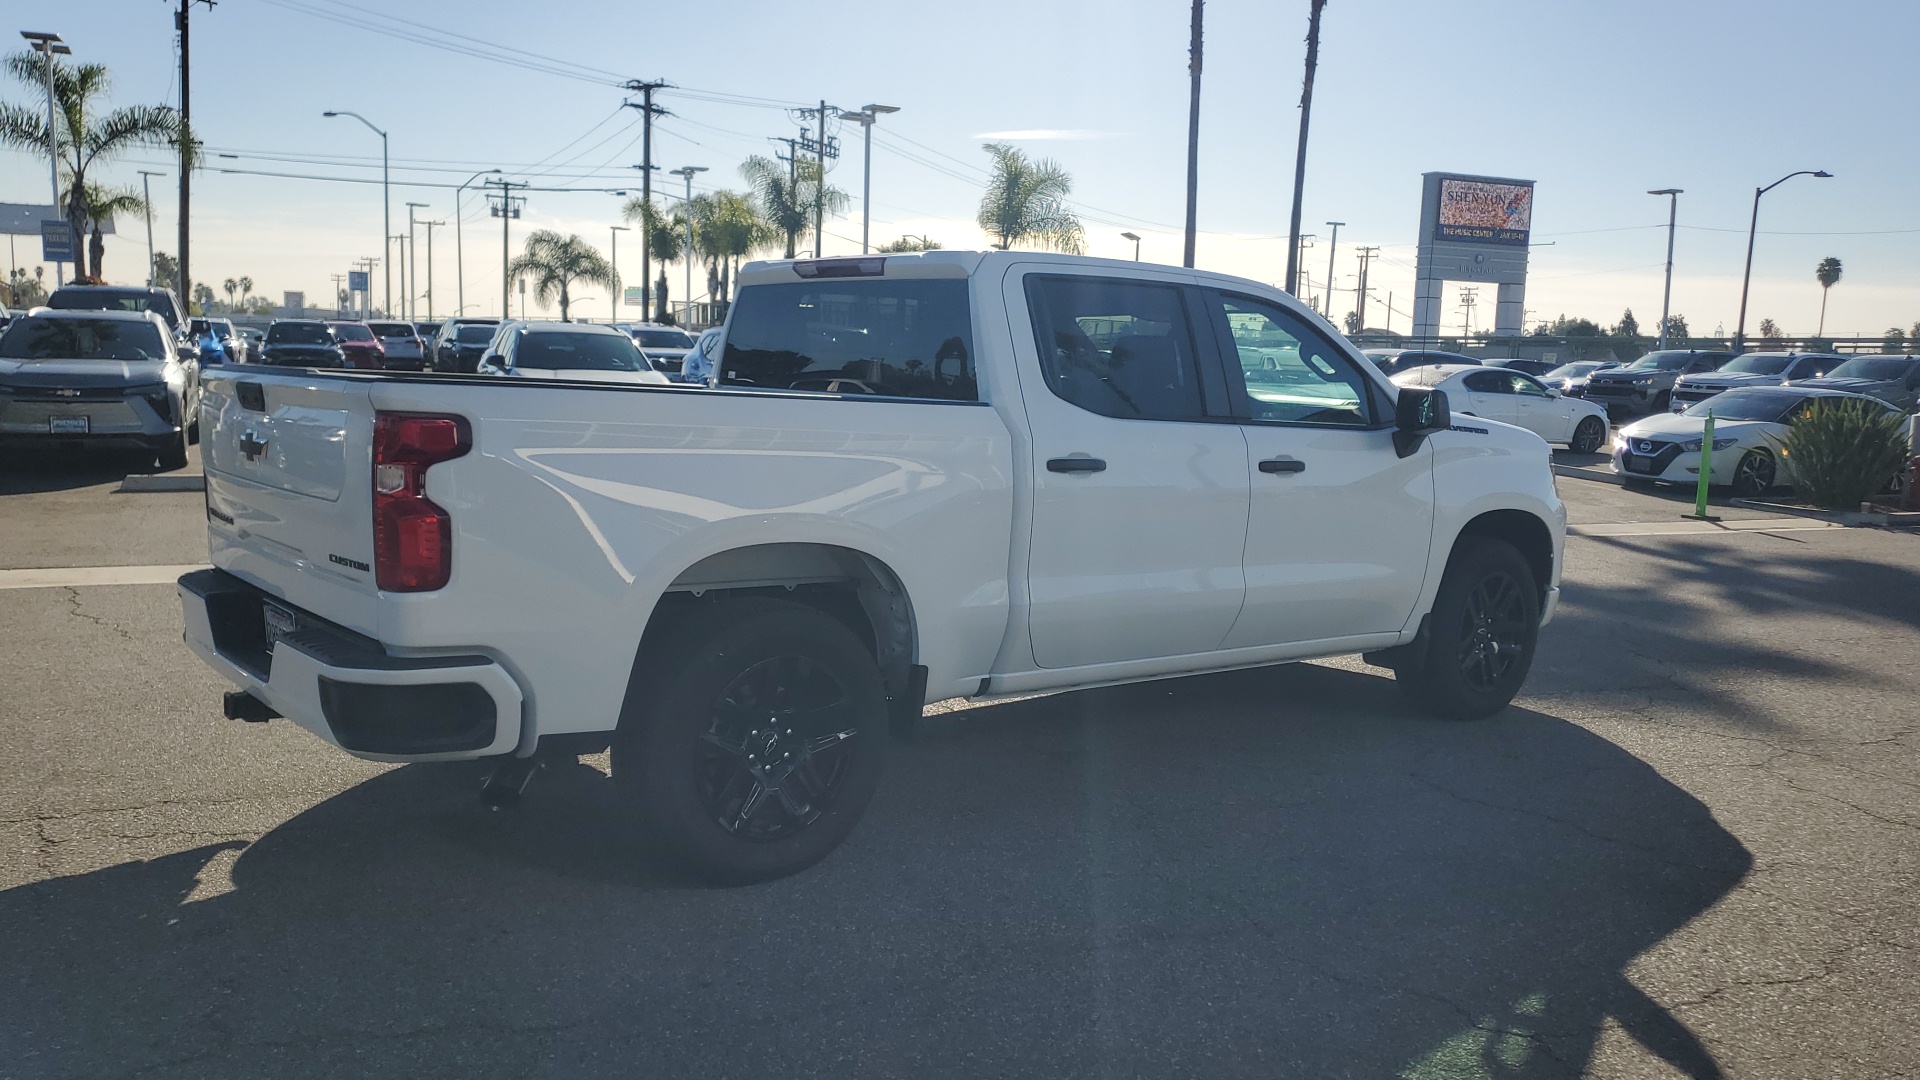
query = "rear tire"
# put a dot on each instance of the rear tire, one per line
(1588, 435)
(1481, 635)
(707, 755)
(1753, 476)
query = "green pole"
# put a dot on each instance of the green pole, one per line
(1706, 469)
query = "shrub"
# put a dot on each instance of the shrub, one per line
(1842, 452)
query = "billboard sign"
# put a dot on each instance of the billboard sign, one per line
(356, 281)
(1484, 212)
(56, 241)
(634, 296)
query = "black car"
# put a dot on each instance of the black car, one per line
(461, 343)
(302, 343)
(1535, 368)
(1646, 385)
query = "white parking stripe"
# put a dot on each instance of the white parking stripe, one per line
(77, 576)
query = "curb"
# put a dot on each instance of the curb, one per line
(1582, 472)
(1899, 519)
(165, 482)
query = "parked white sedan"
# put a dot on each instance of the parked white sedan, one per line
(1516, 398)
(1749, 433)
(579, 352)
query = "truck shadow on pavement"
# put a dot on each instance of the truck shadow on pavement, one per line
(1266, 873)
(26, 472)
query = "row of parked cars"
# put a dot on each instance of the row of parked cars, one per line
(473, 346)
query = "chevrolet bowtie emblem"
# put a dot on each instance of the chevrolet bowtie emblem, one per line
(252, 445)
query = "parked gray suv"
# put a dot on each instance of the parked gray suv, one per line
(98, 379)
(1646, 385)
(1894, 379)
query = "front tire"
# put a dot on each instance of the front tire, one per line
(1480, 636)
(1753, 476)
(760, 741)
(1588, 435)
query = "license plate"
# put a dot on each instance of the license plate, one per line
(67, 425)
(279, 622)
(1639, 465)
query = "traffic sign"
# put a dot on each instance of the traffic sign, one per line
(56, 241)
(357, 281)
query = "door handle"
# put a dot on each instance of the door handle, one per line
(1283, 465)
(1076, 464)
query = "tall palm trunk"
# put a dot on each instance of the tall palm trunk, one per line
(1824, 290)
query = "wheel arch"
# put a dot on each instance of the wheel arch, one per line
(1526, 532)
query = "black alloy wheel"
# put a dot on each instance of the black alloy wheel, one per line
(1588, 436)
(1753, 476)
(1480, 633)
(1493, 631)
(754, 735)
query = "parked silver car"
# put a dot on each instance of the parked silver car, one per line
(1894, 379)
(98, 379)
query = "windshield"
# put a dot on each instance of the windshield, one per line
(82, 339)
(391, 329)
(476, 335)
(1572, 371)
(1661, 361)
(663, 339)
(1877, 368)
(199, 326)
(1758, 363)
(298, 334)
(551, 351)
(352, 332)
(1747, 405)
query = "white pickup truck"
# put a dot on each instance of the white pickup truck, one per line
(915, 477)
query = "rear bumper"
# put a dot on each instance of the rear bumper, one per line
(346, 688)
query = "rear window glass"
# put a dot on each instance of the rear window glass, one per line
(298, 334)
(391, 329)
(1877, 368)
(476, 335)
(901, 338)
(663, 339)
(578, 352)
(352, 332)
(82, 339)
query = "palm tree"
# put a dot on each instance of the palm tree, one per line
(726, 228)
(555, 262)
(86, 136)
(203, 297)
(666, 237)
(231, 286)
(790, 198)
(246, 289)
(1828, 275)
(1026, 202)
(102, 204)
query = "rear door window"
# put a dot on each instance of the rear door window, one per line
(895, 338)
(1117, 347)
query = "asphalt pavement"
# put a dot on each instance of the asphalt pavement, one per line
(1687, 850)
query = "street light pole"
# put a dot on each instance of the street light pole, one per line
(1333, 245)
(459, 248)
(1673, 216)
(146, 196)
(685, 172)
(1753, 228)
(613, 291)
(1135, 237)
(865, 118)
(431, 225)
(412, 290)
(50, 45)
(386, 196)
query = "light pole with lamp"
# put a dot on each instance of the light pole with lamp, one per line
(1135, 237)
(685, 172)
(1673, 216)
(146, 196)
(412, 288)
(50, 46)
(386, 194)
(431, 225)
(865, 118)
(459, 248)
(613, 259)
(1740, 329)
(1333, 245)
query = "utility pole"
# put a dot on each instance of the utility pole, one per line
(1673, 216)
(339, 305)
(1466, 312)
(1193, 134)
(686, 172)
(146, 196)
(820, 193)
(431, 225)
(399, 259)
(413, 262)
(1333, 245)
(1300, 158)
(1297, 262)
(648, 110)
(506, 210)
(1366, 255)
(865, 118)
(366, 298)
(181, 23)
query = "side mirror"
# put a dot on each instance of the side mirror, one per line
(494, 360)
(1418, 413)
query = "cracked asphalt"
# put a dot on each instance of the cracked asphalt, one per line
(1688, 850)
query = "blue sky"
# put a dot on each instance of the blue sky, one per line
(1597, 100)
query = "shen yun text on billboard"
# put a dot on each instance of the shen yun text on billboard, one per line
(1475, 212)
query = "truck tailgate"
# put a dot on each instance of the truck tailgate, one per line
(288, 460)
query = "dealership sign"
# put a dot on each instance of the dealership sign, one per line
(1479, 212)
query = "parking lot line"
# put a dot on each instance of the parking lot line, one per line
(61, 577)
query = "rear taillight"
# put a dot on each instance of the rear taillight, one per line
(412, 537)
